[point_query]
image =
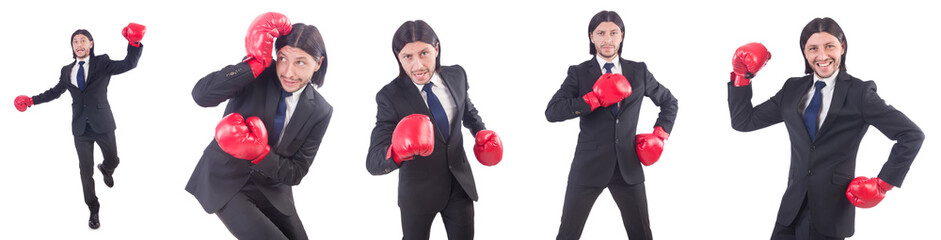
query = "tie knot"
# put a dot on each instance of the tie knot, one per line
(607, 67)
(427, 87)
(81, 62)
(819, 85)
(285, 94)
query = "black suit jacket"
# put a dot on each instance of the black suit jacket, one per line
(606, 139)
(425, 182)
(218, 175)
(91, 106)
(822, 169)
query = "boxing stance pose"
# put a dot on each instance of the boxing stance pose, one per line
(418, 132)
(273, 126)
(605, 93)
(827, 112)
(87, 79)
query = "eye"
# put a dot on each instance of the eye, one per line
(301, 63)
(281, 59)
(424, 53)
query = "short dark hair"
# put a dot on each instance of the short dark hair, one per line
(91, 52)
(412, 31)
(827, 25)
(307, 38)
(604, 16)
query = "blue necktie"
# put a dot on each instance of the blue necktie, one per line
(80, 77)
(437, 111)
(607, 69)
(279, 117)
(813, 110)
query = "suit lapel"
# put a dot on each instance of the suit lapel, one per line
(836, 102)
(272, 98)
(448, 78)
(305, 107)
(796, 105)
(624, 72)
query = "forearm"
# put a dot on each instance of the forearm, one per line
(218, 86)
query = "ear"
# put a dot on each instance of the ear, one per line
(318, 63)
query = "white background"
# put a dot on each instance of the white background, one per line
(711, 182)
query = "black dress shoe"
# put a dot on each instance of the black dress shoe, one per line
(109, 181)
(93, 221)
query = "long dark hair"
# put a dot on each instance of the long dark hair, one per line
(307, 38)
(91, 52)
(604, 16)
(412, 31)
(827, 25)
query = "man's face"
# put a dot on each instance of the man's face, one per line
(296, 68)
(81, 46)
(607, 39)
(418, 61)
(823, 52)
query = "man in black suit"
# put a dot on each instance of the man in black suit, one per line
(87, 79)
(246, 178)
(827, 113)
(608, 112)
(434, 175)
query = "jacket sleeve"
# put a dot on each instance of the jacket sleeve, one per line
(218, 86)
(567, 103)
(129, 62)
(381, 138)
(471, 119)
(896, 126)
(53, 92)
(292, 169)
(661, 97)
(746, 118)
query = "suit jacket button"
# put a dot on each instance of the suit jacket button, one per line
(813, 148)
(578, 112)
(810, 172)
(617, 140)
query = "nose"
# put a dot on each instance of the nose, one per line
(288, 70)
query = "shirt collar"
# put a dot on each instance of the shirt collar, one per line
(295, 94)
(830, 80)
(601, 62)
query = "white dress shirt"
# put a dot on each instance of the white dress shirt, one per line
(444, 96)
(75, 71)
(291, 103)
(826, 94)
(615, 69)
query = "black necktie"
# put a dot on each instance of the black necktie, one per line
(607, 69)
(279, 117)
(80, 77)
(437, 111)
(813, 110)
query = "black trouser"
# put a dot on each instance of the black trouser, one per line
(630, 198)
(802, 228)
(84, 145)
(250, 215)
(458, 216)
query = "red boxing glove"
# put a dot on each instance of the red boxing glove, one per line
(243, 139)
(489, 148)
(260, 39)
(414, 135)
(866, 192)
(609, 89)
(22, 102)
(134, 33)
(650, 145)
(746, 62)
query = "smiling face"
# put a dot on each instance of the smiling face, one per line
(418, 61)
(295, 68)
(823, 52)
(607, 39)
(81, 46)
